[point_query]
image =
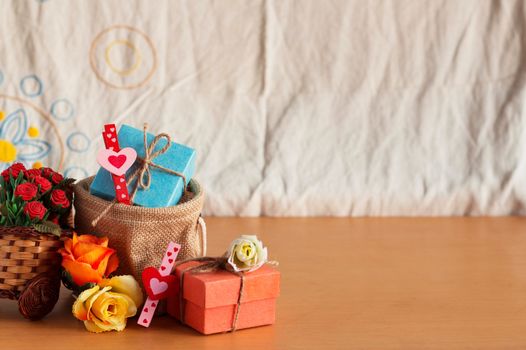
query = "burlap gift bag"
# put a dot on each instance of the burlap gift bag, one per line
(140, 235)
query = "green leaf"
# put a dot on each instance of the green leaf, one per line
(9, 220)
(12, 180)
(85, 287)
(2, 190)
(20, 210)
(20, 177)
(3, 210)
(68, 282)
(12, 213)
(48, 227)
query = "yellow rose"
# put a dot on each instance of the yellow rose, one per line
(125, 285)
(105, 310)
(246, 253)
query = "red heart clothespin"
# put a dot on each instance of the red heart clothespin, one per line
(157, 286)
(159, 283)
(116, 161)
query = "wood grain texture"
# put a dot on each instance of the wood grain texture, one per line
(412, 283)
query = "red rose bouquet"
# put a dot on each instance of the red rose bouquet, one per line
(40, 198)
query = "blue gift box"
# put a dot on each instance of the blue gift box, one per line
(165, 189)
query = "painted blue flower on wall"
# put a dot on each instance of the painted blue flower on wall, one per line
(19, 142)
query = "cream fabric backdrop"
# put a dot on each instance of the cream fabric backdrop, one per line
(295, 107)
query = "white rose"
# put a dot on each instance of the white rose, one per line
(246, 253)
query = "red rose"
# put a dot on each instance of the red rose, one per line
(32, 173)
(27, 191)
(15, 169)
(45, 185)
(56, 178)
(35, 210)
(5, 175)
(59, 198)
(53, 218)
(47, 172)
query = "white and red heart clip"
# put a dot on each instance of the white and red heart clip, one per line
(117, 161)
(159, 283)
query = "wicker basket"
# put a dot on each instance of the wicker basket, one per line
(30, 269)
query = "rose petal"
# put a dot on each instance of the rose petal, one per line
(92, 327)
(126, 285)
(95, 251)
(108, 326)
(118, 320)
(68, 245)
(242, 248)
(97, 325)
(95, 256)
(131, 308)
(113, 263)
(103, 262)
(79, 309)
(239, 260)
(75, 239)
(81, 273)
(65, 254)
(94, 297)
(100, 306)
(102, 241)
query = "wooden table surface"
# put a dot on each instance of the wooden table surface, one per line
(371, 283)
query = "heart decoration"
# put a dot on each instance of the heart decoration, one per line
(117, 162)
(157, 286)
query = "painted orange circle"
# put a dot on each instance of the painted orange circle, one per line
(99, 42)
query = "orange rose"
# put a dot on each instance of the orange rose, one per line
(88, 259)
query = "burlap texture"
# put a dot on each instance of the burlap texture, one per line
(140, 235)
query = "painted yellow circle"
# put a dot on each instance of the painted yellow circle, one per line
(37, 165)
(33, 131)
(7, 151)
(2, 115)
(136, 57)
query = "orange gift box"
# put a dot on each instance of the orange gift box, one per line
(210, 299)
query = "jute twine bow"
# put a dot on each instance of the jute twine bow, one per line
(211, 264)
(142, 176)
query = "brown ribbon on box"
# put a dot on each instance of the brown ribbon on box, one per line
(211, 264)
(142, 175)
